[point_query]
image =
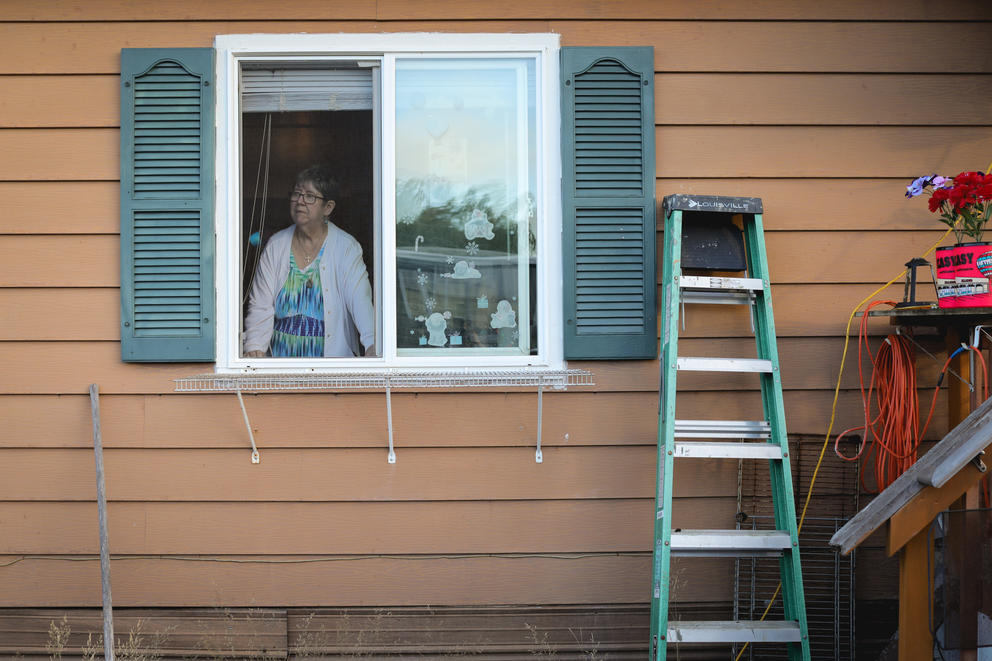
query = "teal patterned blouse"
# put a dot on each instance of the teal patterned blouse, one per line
(299, 313)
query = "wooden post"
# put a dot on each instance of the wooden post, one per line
(915, 641)
(101, 507)
(960, 399)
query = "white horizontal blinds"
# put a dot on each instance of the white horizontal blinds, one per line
(281, 89)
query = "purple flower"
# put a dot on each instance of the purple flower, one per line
(916, 188)
(920, 183)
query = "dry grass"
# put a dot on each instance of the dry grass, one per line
(350, 638)
(133, 647)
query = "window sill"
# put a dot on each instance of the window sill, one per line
(387, 379)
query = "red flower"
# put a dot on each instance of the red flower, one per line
(969, 179)
(938, 198)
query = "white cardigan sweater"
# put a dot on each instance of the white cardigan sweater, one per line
(345, 285)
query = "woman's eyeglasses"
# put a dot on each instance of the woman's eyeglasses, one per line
(308, 198)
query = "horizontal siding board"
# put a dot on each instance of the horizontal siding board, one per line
(70, 367)
(186, 10)
(820, 203)
(356, 582)
(350, 528)
(81, 314)
(94, 259)
(688, 151)
(70, 207)
(92, 207)
(92, 101)
(869, 256)
(487, 632)
(866, 256)
(319, 474)
(819, 151)
(570, 419)
(199, 421)
(806, 364)
(59, 101)
(84, 154)
(391, 10)
(801, 310)
(818, 99)
(250, 634)
(674, 10)
(798, 46)
(96, 46)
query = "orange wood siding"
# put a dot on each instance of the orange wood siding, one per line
(823, 110)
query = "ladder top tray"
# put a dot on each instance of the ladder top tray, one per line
(712, 203)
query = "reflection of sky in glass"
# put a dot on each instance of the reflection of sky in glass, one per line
(464, 125)
(465, 203)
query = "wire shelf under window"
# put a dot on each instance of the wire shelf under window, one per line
(380, 380)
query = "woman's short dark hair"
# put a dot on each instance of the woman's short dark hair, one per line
(322, 179)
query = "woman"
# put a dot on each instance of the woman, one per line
(310, 296)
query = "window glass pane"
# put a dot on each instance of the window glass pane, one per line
(466, 206)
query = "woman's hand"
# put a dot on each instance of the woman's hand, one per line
(255, 354)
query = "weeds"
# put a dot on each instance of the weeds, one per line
(58, 638)
(676, 586)
(132, 648)
(308, 642)
(592, 653)
(364, 636)
(543, 648)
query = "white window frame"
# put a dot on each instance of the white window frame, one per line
(231, 50)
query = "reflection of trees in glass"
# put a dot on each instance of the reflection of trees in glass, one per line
(432, 240)
(444, 226)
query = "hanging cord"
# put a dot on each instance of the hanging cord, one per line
(261, 183)
(894, 435)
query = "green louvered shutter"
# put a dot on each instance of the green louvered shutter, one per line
(167, 202)
(608, 203)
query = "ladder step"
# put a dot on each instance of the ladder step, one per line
(723, 291)
(722, 284)
(722, 429)
(717, 297)
(730, 542)
(746, 631)
(724, 364)
(700, 449)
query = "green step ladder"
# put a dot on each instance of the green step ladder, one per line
(702, 440)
